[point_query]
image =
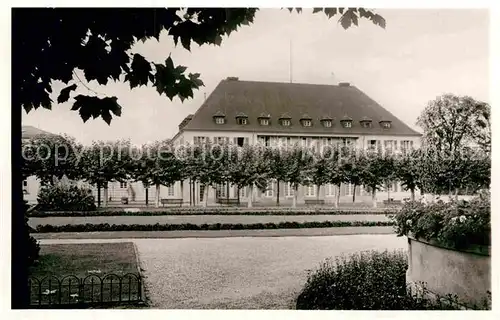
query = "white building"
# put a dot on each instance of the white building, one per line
(251, 112)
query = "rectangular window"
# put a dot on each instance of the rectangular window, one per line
(285, 122)
(170, 191)
(220, 140)
(219, 120)
(347, 124)
(240, 141)
(349, 189)
(123, 185)
(242, 121)
(288, 190)
(243, 192)
(221, 190)
(306, 123)
(310, 190)
(267, 141)
(25, 183)
(264, 122)
(366, 124)
(269, 190)
(202, 192)
(200, 140)
(327, 123)
(329, 190)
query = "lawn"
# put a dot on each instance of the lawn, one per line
(93, 272)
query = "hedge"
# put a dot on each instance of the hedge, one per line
(227, 212)
(217, 226)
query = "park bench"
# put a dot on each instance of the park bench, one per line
(314, 201)
(171, 201)
(228, 201)
(392, 202)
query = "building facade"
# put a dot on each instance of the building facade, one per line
(268, 113)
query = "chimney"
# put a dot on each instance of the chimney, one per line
(344, 84)
(232, 78)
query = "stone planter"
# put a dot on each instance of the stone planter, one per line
(465, 273)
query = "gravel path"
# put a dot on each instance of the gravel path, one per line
(239, 273)
(209, 219)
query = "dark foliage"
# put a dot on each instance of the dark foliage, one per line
(51, 43)
(216, 226)
(61, 197)
(31, 246)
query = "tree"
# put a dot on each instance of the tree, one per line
(373, 172)
(214, 168)
(100, 43)
(336, 173)
(278, 168)
(407, 171)
(156, 166)
(353, 168)
(51, 156)
(320, 169)
(104, 162)
(299, 163)
(451, 122)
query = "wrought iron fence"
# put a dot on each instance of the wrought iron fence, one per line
(92, 290)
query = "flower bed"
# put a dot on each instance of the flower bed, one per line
(213, 211)
(216, 226)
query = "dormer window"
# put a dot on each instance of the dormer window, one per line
(306, 120)
(219, 117)
(346, 122)
(327, 122)
(385, 124)
(285, 120)
(366, 122)
(264, 119)
(242, 118)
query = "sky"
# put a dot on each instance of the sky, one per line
(420, 55)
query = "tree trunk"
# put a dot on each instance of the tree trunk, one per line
(98, 195)
(227, 192)
(194, 193)
(354, 194)
(456, 194)
(250, 196)
(157, 196)
(317, 192)
(182, 190)
(337, 200)
(388, 193)
(205, 191)
(295, 193)
(238, 191)
(105, 202)
(277, 193)
(147, 196)
(190, 195)
(374, 197)
(412, 194)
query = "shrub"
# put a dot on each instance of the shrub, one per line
(31, 246)
(457, 223)
(216, 226)
(369, 280)
(62, 197)
(207, 211)
(365, 280)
